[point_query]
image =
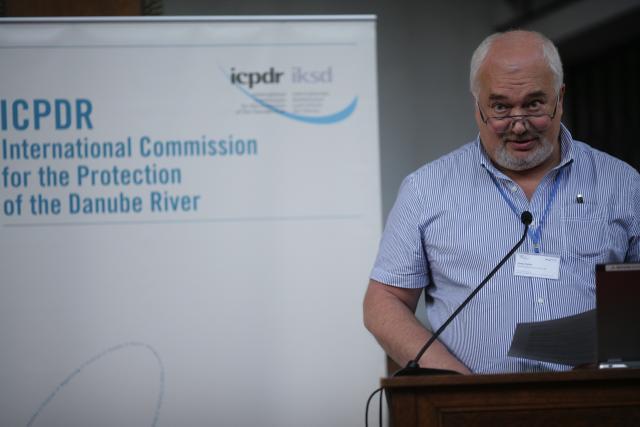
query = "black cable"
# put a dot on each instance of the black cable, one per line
(380, 408)
(366, 413)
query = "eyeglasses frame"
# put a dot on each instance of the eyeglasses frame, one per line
(513, 118)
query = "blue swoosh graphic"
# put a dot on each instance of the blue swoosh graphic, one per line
(316, 120)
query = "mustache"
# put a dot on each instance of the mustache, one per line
(520, 138)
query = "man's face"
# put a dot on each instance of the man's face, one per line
(516, 80)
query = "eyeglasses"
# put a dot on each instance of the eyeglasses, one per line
(500, 124)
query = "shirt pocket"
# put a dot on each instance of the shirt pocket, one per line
(584, 232)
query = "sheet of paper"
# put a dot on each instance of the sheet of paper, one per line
(568, 340)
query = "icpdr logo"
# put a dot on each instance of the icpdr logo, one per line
(248, 80)
(272, 76)
(252, 78)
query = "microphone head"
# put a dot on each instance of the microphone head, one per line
(526, 217)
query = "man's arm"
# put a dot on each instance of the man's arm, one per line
(389, 316)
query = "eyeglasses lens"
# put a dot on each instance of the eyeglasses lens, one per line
(538, 123)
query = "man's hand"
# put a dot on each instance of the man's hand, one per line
(389, 316)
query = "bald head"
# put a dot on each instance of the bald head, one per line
(513, 50)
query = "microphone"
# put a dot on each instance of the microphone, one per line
(412, 368)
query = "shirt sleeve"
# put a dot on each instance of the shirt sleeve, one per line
(633, 253)
(401, 259)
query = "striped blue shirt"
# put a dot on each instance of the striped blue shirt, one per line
(450, 226)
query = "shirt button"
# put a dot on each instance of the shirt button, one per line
(540, 300)
(513, 188)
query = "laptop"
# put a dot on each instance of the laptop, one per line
(618, 315)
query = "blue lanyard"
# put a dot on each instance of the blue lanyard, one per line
(533, 234)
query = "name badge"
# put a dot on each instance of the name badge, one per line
(541, 266)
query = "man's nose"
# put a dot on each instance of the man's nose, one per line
(519, 125)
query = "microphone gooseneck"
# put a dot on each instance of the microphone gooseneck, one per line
(413, 368)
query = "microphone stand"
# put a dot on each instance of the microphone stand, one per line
(413, 368)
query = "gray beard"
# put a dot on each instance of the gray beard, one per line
(541, 153)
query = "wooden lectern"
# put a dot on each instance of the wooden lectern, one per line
(576, 398)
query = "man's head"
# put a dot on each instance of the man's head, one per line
(516, 79)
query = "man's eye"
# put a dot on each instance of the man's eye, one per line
(534, 105)
(499, 108)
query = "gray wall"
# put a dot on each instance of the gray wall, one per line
(423, 53)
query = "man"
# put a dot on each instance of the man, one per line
(456, 217)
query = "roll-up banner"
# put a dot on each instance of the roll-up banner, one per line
(189, 212)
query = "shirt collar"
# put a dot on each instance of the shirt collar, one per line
(566, 152)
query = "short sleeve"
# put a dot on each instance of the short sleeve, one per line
(401, 259)
(633, 253)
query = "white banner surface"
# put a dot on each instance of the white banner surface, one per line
(189, 212)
